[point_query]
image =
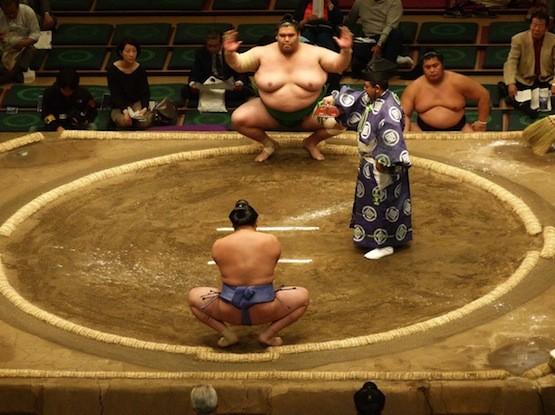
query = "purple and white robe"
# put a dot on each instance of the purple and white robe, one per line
(382, 206)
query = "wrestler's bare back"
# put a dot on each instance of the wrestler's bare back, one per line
(247, 257)
(290, 82)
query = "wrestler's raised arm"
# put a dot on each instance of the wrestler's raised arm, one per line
(240, 62)
(338, 62)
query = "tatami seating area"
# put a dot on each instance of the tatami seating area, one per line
(89, 31)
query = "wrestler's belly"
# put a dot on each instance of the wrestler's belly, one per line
(289, 98)
(441, 117)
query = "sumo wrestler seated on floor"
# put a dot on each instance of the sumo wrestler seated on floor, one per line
(247, 259)
(439, 99)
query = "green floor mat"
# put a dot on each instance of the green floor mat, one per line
(27, 96)
(463, 57)
(23, 96)
(182, 58)
(170, 91)
(408, 31)
(502, 32)
(355, 86)
(495, 57)
(103, 121)
(253, 33)
(70, 5)
(398, 89)
(21, 121)
(150, 57)
(177, 4)
(144, 34)
(78, 58)
(286, 4)
(131, 5)
(519, 121)
(195, 33)
(98, 92)
(454, 32)
(495, 122)
(82, 34)
(493, 96)
(240, 5)
(194, 117)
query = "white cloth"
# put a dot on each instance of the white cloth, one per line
(212, 94)
(540, 98)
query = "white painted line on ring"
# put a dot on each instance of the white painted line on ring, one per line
(281, 261)
(276, 228)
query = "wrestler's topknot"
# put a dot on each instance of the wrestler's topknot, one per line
(243, 214)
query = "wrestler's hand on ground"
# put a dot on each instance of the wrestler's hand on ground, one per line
(479, 125)
(345, 39)
(231, 44)
(377, 51)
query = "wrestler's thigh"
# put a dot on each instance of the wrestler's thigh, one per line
(310, 124)
(286, 301)
(199, 297)
(207, 299)
(223, 311)
(253, 114)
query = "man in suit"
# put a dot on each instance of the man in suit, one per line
(530, 66)
(209, 61)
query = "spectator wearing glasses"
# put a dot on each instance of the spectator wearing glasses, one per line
(530, 67)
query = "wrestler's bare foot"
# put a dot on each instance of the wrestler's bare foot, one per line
(228, 338)
(313, 150)
(269, 340)
(270, 146)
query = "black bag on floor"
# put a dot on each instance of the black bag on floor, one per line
(165, 113)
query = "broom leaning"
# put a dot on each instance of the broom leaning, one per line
(540, 135)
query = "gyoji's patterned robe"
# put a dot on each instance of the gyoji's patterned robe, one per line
(382, 207)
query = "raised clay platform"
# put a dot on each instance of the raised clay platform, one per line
(480, 346)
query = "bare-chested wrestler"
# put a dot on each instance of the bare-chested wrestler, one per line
(439, 98)
(290, 78)
(247, 259)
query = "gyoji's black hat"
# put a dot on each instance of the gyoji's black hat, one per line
(379, 69)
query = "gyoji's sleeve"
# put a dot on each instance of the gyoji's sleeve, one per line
(349, 102)
(391, 149)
